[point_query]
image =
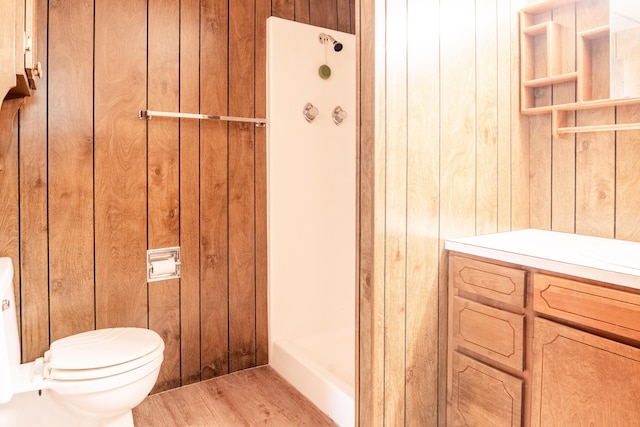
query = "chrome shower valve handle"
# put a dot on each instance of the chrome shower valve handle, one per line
(310, 112)
(338, 115)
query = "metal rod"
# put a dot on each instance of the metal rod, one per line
(148, 114)
(599, 128)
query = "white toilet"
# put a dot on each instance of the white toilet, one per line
(91, 379)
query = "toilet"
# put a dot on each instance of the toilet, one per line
(90, 379)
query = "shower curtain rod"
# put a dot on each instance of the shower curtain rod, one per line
(148, 114)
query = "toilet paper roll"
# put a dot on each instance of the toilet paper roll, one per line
(165, 266)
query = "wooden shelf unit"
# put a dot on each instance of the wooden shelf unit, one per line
(541, 41)
(585, 47)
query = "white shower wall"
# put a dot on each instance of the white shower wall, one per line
(311, 189)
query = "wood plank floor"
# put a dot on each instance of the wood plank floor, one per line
(252, 397)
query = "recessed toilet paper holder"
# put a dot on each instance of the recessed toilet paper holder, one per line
(163, 264)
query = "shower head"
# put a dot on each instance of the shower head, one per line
(337, 46)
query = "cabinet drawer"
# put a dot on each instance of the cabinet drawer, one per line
(482, 395)
(602, 308)
(496, 334)
(499, 283)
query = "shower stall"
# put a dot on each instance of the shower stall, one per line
(311, 187)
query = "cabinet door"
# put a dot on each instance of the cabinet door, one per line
(580, 379)
(483, 396)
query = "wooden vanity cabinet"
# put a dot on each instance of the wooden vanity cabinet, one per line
(567, 355)
(582, 378)
(486, 344)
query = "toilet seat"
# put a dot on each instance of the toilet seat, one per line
(101, 353)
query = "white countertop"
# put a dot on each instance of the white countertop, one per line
(596, 258)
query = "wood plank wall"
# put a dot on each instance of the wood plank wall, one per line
(87, 187)
(444, 153)
(586, 183)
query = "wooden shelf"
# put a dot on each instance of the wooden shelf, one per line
(541, 41)
(21, 89)
(537, 29)
(544, 6)
(551, 80)
(595, 33)
(541, 59)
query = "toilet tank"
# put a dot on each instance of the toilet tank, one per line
(9, 341)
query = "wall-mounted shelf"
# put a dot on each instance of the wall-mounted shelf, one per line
(541, 69)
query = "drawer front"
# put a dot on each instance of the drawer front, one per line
(499, 283)
(496, 334)
(483, 396)
(602, 308)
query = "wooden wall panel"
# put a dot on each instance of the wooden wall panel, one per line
(189, 192)
(242, 290)
(540, 149)
(120, 163)
(260, 191)
(458, 148)
(595, 152)
(163, 62)
(540, 163)
(422, 213)
(70, 164)
(370, 293)
(286, 9)
(34, 239)
(346, 21)
(520, 148)
(97, 187)
(595, 177)
(627, 221)
(441, 134)
(395, 276)
(504, 69)
(540, 172)
(487, 117)
(575, 185)
(214, 191)
(301, 11)
(324, 13)
(582, 185)
(563, 184)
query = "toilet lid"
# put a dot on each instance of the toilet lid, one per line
(112, 351)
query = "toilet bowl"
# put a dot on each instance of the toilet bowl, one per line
(92, 379)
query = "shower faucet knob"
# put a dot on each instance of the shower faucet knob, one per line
(310, 112)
